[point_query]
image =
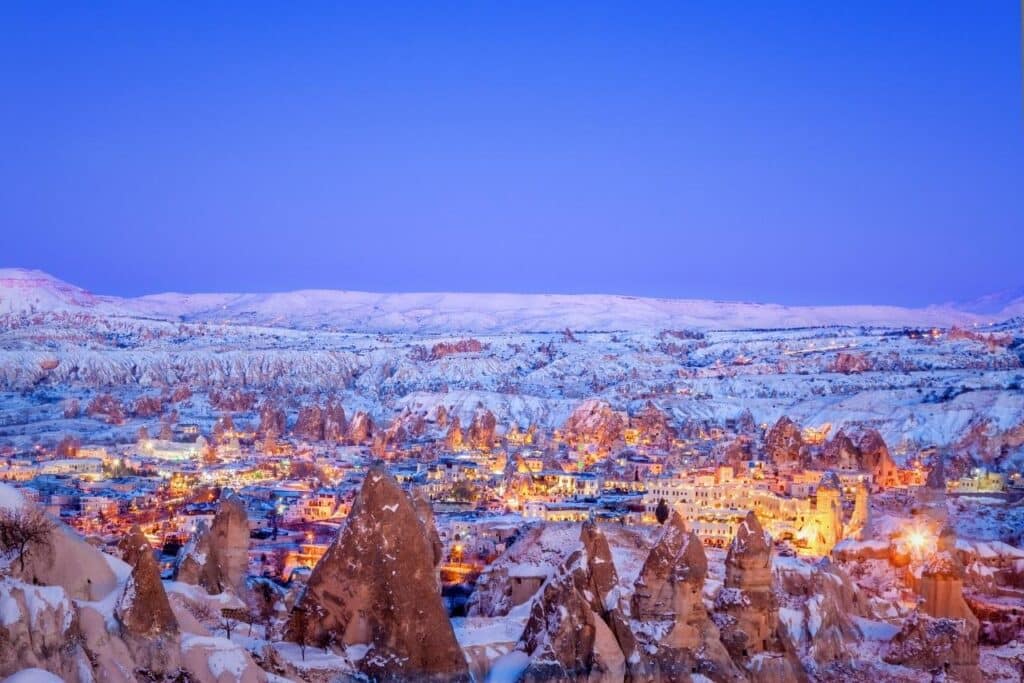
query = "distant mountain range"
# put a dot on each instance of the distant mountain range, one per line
(32, 291)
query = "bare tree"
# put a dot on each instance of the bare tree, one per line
(229, 621)
(240, 615)
(21, 529)
(301, 625)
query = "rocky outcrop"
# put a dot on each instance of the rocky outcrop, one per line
(567, 640)
(143, 608)
(233, 401)
(217, 558)
(454, 439)
(309, 424)
(857, 525)
(375, 589)
(37, 629)
(826, 530)
(442, 349)
(334, 422)
(594, 423)
(570, 635)
(518, 574)
(827, 601)
(942, 581)
(653, 427)
(66, 560)
(360, 429)
(876, 459)
(675, 637)
(480, 434)
(932, 496)
(272, 420)
(133, 546)
(321, 424)
(840, 452)
(932, 644)
(107, 408)
(84, 626)
(784, 443)
(747, 611)
(850, 363)
(148, 406)
(425, 511)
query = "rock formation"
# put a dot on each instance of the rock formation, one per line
(425, 511)
(334, 422)
(106, 408)
(653, 426)
(143, 608)
(942, 581)
(481, 430)
(594, 423)
(309, 424)
(360, 429)
(747, 611)
(442, 349)
(936, 645)
(675, 636)
(453, 440)
(841, 453)
(784, 443)
(233, 401)
(828, 601)
(148, 406)
(375, 589)
(272, 420)
(826, 529)
(850, 363)
(133, 546)
(217, 558)
(932, 496)
(91, 618)
(568, 635)
(861, 515)
(876, 459)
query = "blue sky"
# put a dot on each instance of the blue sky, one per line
(792, 152)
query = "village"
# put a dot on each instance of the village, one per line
(298, 492)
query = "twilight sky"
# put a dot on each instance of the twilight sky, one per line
(781, 151)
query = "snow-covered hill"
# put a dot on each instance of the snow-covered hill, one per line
(698, 362)
(28, 292)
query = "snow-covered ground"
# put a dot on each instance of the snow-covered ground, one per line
(697, 361)
(28, 291)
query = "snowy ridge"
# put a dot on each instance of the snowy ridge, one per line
(27, 291)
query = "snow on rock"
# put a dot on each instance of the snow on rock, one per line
(219, 659)
(33, 676)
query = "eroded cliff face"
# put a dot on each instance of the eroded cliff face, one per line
(376, 590)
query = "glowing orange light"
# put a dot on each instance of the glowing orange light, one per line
(917, 540)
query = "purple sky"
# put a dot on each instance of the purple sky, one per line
(786, 151)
